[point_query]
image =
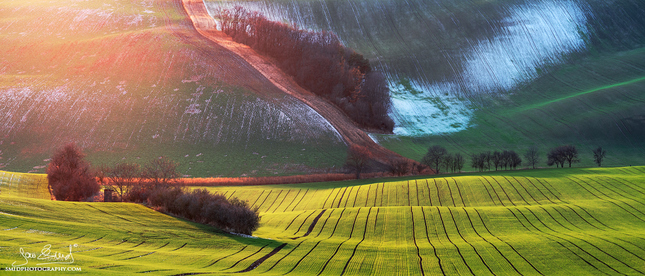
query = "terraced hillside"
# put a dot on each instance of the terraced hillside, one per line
(538, 222)
(133, 80)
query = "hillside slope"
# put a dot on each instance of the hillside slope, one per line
(133, 81)
(532, 222)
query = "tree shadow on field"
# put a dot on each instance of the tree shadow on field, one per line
(208, 229)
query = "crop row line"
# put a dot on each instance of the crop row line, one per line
(493, 245)
(606, 200)
(587, 242)
(443, 224)
(304, 221)
(249, 256)
(351, 233)
(264, 258)
(359, 243)
(414, 238)
(546, 235)
(467, 242)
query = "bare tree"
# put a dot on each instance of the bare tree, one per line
(434, 157)
(599, 155)
(69, 175)
(357, 160)
(122, 176)
(161, 172)
(497, 159)
(570, 154)
(532, 156)
(458, 162)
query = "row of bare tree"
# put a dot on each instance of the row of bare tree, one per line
(438, 157)
(318, 62)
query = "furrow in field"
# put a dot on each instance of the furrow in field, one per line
(416, 184)
(356, 196)
(351, 233)
(303, 257)
(304, 221)
(452, 198)
(283, 257)
(337, 222)
(299, 201)
(624, 193)
(325, 223)
(523, 187)
(313, 223)
(600, 238)
(274, 201)
(349, 196)
(341, 198)
(497, 194)
(231, 195)
(443, 224)
(610, 201)
(546, 235)
(294, 219)
(490, 243)
(561, 245)
(367, 199)
(488, 192)
(454, 221)
(514, 188)
(359, 243)
(265, 199)
(222, 258)
(264, 258)
(549, 189)
(408, 193)
(282, 201)
(249, 256)
(505, 242)
(256, 200)
(328, 195)
(536, 188)
(414, 239)
(461, 197)
(434, 249)
(438, 193)
(429, 193)
(293, 200)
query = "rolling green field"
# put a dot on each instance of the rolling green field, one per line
(581, 221)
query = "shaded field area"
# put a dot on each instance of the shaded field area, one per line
(538, 222)
(597, 101)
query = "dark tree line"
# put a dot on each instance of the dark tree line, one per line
(318, 62)
(438, 157)
(561, 155)
(499, 160)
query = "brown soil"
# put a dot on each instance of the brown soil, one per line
(352, 135)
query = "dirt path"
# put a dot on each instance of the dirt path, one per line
(353, 136)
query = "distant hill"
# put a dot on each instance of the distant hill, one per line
(133, 81)
(494, 75)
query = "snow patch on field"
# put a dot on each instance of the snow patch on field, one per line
(422, 110)
(532, 36)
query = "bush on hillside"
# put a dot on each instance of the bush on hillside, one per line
(318, 62)
(201, 206)
(69, 175)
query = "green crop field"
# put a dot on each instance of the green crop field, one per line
(581, 221)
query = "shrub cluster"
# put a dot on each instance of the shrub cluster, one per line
(318, 62)
(69, 175)
(204, 207)
(498, 159)
(438, 157)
